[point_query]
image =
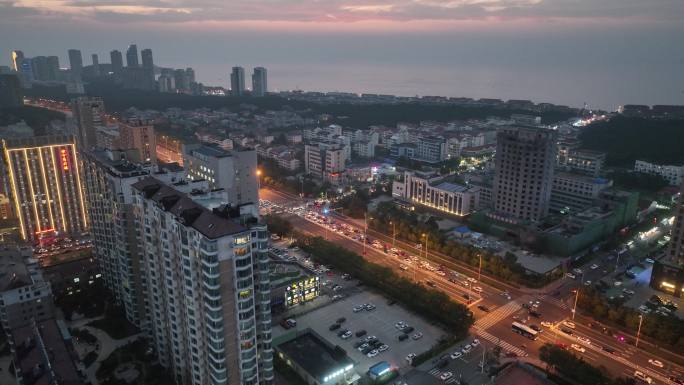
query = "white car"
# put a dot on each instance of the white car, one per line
(417, 336)
(382, 348)
(346, 335)
(584, 340)
(466, 349)
(546, 324)
(372, 353)
(456, 355)
(400, 325)
(569, 324)
(410, 357)
(587, 283)
(477, 289)
(641, 376)
(578, 348)
(570, 275)
(445, 376)
(594, 266)
(358, 308)
(656, 363)
(475, 343)
(649, 260)
(473, 280)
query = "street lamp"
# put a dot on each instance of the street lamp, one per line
(574, 308)
(641, 319)
(427, 236)
(394, 233)
(479, 270)
(258, 175)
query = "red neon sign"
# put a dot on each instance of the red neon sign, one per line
(65, 159)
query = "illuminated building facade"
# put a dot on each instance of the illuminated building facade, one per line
(302, 291)
(440, 195)
(668, 271)
(45, 186)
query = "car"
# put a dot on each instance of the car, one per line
(445, 376)
(456, 355)
(587, 283)
(383, 347)
(473, 280)
(566, 331)
(408, 329)
(594, 266)
(341, 332)
(477, 289)
(363, 346)
(467, 349)
(340, 320)
(656, 363)
(569, 324)
(403, 267)
(570, 275)
(370, 338)
(346, 335)
(578, 348)
(372, 353)
(535, 314)
(483, 308)
(628, 292)
(584, 340)
(417, 336)
(617, 283)
(649, 260)
(334, 327)
(369, 307)
(402, 337)
(430, 283)
(475, 343)
(410, 357)
(400, 325)
(577, 270)
(360, 333)
(358, 308)
(641, 376)
(546, 324)
(358, 344)
(536, 328)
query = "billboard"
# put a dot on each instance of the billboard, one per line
(301, 291)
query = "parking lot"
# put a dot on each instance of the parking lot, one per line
(379, 322)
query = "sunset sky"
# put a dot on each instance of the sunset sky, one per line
(501, 45)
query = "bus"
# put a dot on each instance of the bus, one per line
(524, 330)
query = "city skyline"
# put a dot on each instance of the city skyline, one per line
(516, 52)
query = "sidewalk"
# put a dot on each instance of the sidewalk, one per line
(106, 346)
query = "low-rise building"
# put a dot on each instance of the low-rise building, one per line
(324, 160)
(439, 194)
(573, 192)
(673, 174)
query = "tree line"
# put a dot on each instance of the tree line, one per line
(576, 369)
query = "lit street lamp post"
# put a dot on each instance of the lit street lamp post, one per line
(479, 270)
(394, 233)
(641, 319)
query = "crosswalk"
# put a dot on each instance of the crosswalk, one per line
(499, 342)
(436, 372)
(556, 301)
(500, 313)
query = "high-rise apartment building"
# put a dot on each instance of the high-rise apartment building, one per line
(324, 159)
(76, 62)
(207, 284)
(53, 68)
(233, 171)
(132, 56)
(138, 135)
(96, 64)
(45, 185)
(668, 271)
(108, 178)
(524, 168)
(237, 81)
(259, 82)
(17, 56)
(89, 112)
(116, 58)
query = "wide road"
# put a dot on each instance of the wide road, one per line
(493, 324)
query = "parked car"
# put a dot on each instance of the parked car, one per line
(456, 355)
(334, 327)
(402, 337)
(417, 336)
(445, 376)
(410, 357)
(578, 348)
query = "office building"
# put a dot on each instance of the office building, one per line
(523, 177)
(324, 159)
(45, 186)
(43, 353)
(234, 171)
(181, 80)
(89, 112)
(674, 175)
(11, 94)
(237, 81)
(434, 192)
(668, 271)
(148, 64)
(166, 83)
(40, 68)
(132, 56)
(259, 82)
(580, 161)
(25, 296)
(53, 68)
(207, 284)
(117, 61)
(17, 57)
(572, 193)
(26, 70)
(96, 64)
(76, 62)
(108, 178)
(190, 73)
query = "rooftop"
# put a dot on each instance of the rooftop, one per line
(522, 374)
(186, 210)
(13, 270)
(451, 187)
(36, 343)
(315, 356)
(211, 151)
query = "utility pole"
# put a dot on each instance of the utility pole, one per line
(574, 308)
(394, 233)
(484, 351)
(365, 231)
(641, 319)
(479, 271)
